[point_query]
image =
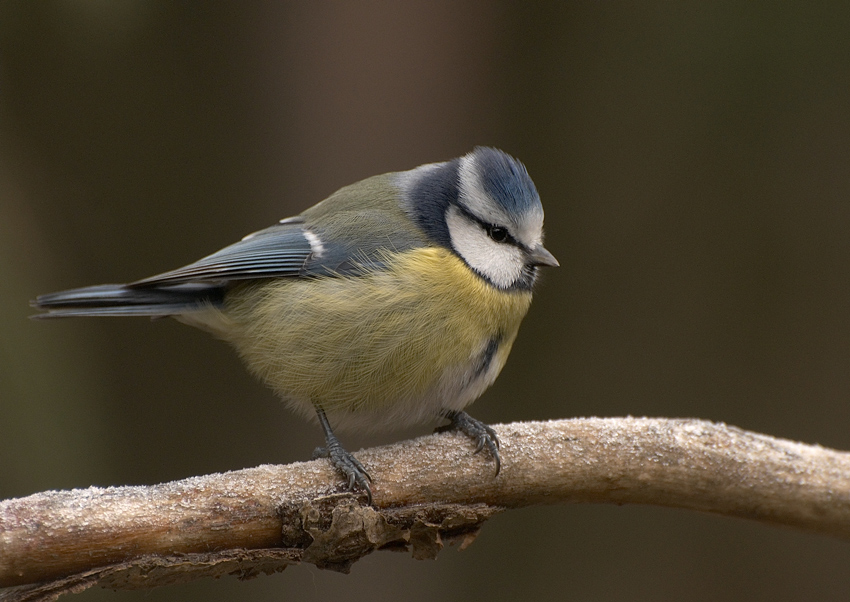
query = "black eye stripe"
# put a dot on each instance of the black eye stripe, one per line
(488, 228)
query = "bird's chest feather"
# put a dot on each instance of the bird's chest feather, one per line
(405, 341)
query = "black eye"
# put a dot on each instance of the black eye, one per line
(497, 233)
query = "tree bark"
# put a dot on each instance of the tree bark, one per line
(427, 492)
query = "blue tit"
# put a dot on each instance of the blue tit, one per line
(394, 301)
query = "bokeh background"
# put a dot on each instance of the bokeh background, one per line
(694, 163)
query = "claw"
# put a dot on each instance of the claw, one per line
(483, 435)
(350, 467)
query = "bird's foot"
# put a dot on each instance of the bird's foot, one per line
(483, 435)
(350, 467)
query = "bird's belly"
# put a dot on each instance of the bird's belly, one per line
(388, 348)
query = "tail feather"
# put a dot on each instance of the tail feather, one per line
(127, 300)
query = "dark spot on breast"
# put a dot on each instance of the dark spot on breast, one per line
(486, 358)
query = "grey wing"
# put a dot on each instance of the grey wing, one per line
(288, 249)
(280, 251)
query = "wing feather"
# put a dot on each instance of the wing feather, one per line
(279, 251)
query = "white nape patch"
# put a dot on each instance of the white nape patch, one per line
(407, 180)
(316, 245)
(500, 263)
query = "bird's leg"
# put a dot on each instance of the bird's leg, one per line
(343, 461)
(483, 435)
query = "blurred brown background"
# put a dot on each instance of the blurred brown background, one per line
(694, 163)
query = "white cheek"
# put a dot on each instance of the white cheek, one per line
(501, 263)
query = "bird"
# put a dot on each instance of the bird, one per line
(392, 302)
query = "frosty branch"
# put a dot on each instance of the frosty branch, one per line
(427, 492)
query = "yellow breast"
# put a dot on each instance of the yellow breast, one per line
(397, 343)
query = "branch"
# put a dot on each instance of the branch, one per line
(426, 491)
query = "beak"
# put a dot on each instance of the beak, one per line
(540, 256)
